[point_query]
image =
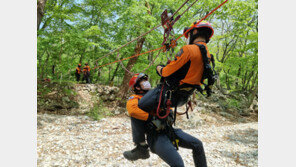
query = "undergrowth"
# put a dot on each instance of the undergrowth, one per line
(99, 111)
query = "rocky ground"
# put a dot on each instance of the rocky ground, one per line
(74, 139)
(80, 141)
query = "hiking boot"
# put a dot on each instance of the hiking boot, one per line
(140, 152)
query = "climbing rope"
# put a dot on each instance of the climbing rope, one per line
(163, 47)
(140, 35)
(129, 57)
(131, 73)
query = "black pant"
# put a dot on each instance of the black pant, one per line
(138, 130)
(77, 77)
(161, 145)
(86, 77)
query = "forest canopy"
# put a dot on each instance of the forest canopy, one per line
(79, 31)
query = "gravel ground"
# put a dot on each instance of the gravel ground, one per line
(79, 141)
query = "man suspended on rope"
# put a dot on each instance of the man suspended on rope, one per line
(86, 73)
(159, 132)
(140, 85)
(78, 71)
(185, 73)
(180, 78)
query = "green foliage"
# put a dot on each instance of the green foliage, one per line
(55, 95)
(75, 32)
(233, 103)
(99, 111)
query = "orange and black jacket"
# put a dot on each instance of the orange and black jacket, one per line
(133, 109)
(187, 66)
(78, 70)
(86, 69)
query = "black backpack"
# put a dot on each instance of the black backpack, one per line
(208, 73)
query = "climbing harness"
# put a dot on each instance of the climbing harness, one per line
(208, 75)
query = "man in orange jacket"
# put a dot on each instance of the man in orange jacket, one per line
(180, 78)
(158, 135)
(86, 73)
(185, 73)
(140, 85)
(78, 71)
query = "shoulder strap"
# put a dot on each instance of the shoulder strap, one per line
(208, 70)
(205, 59)
(204, 54)
(213, 60)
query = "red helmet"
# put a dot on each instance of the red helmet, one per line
(136, 78)
(204, 24)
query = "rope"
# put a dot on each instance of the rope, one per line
(131, 73)
(129, 57)
(151, 62)
(140, 35)
(202, 19)
(164, 45)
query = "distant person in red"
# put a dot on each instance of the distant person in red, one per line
(86, 73)
(78, 72)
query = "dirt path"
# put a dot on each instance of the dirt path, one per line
(79, 141)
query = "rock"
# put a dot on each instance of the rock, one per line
(65, 99)
(86, 88)
(246, 112)
(100, 90)
(232, 110)
(105, 97)
(242, 120)
(117, 112)
(210, 119)
(39, 124)
(112, 97)
(92, 88)
(101, 143)
(225, 114)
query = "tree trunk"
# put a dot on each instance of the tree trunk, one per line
(53, 70)
(44, 65)
(109, 75)
(124, 85)
(81, 58)
(114, 74)
(39, 67)
(40, 11)
(253, 95)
